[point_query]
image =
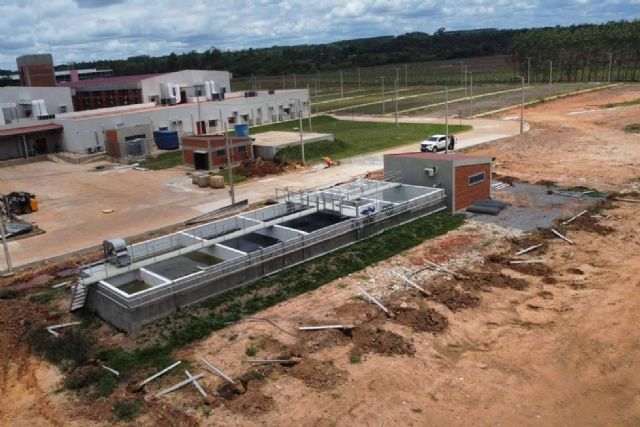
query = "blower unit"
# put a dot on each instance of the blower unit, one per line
(115, 252)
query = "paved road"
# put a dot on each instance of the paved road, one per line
(72, 197)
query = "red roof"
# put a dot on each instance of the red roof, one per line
(29, 129)
(108, 81)
(439, 156)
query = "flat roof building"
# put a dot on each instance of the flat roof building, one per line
(465, 179)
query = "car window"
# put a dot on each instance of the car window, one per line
(432, 138)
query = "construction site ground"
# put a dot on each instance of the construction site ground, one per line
(540, 344)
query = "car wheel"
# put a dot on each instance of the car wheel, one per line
(434, 149)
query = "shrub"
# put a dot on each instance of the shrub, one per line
(250, 350)
(126, 410)
(72, 345)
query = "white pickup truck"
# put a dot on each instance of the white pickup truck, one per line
(438, 143)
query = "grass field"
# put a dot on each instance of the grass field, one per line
(355, 138)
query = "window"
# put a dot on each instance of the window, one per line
(476, 178)
(220, 153)
(213, 123)
(242, 149)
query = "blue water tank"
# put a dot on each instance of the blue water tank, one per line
(242, 129)
(166, 139)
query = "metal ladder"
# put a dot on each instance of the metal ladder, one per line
(79, 296)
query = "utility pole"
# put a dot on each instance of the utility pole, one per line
(3, 234)
(462, 73)
(301, 133)
(341, 86)
(309, 93)
(610, 65)
(358, 78)
(295, 83)
(395, 99)
(522, 108)
(317, 105)
(232, 191)
(397, 73)
(382, 95)
(464, 83)
(446, 119)
(550, 72)
(528, 71)
(406, 77)
(284, 86)
(471, 89)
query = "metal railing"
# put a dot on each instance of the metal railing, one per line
(273, 252)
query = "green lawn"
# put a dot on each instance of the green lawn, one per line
(355, 138)
(623, 104)
(166, 160)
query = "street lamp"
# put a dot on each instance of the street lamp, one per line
(382, 78)
(299, 108)
(521, 105)
(610, 65)
(446, 118)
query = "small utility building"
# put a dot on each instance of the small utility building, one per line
(204, 152)
(465, 179)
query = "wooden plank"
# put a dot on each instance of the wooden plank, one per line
(444, 269)
(179, 385)
(529, 249)
(528, 261)
(196, 384)
(573, 218)
(164, 371)
(554, 231)
(375, 301)
(424, 291)
(63, 325)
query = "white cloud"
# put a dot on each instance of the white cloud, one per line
(80, 30)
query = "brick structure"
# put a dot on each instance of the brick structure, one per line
(36, 70)
(206, 152)
(465, 179)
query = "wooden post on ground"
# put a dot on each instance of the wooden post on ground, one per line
(179, 385)
(237, 384)
(561, 236)
(375, 301)
(424, 291)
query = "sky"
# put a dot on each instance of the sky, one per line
(82, 30)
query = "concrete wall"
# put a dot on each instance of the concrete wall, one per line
(129, 316)
(53, 97)
(413, 173)
(80, 133)
(151, 86)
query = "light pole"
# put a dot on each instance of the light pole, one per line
(406, 77)
(341, 86)
(528, 71)
(610, 65)
(382, 95)
(295, 83)
(299, 105)
(309, 97)
(522, 106)
(395, 100)
(471, 90)
(464, 83)
(550, 72)
(284, 85)
(232, 191)
(358, 78)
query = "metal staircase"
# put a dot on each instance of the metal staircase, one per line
(79, 296)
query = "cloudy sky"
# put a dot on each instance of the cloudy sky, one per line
(77, 30)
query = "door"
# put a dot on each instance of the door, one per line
(41, 146)
(442, 143)
(200, 160)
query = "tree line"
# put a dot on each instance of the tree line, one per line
(574, 53)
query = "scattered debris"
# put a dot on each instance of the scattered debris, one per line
(52, 329)
(59, 285)
(573, 218)
(179, 385)
(529, 249)
(320, 327)
(379, 341)
(423, 291)
(195, 383)
(554, 231)
(162, 372)
(623, 199)
(236, 384)
(107, 211)
(528, 261)
(375, 301)
(113, 371)
(439, 267)
(453, 298)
